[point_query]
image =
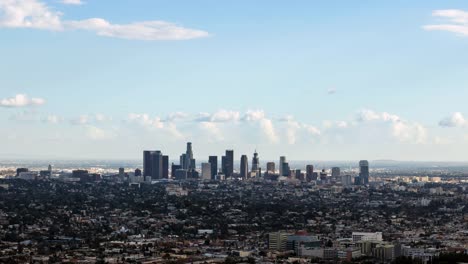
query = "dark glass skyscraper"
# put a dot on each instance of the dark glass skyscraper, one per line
(364, 171)
(244, 167)
(229, 163)
(309, 172)
(147, 165)
(255, 162)
(213, 160)
(165, 167)
(156, 165)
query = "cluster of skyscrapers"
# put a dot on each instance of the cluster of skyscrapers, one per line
(156, 166)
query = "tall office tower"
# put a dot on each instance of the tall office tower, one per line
(206, 171)
(121, 173)
(182, 161)
(244, 167)
(223, 165)
(298, 174)
(156, 165)
(174, 168)
(278, 241)
(346, 180)
(50, 169)
(147, 165)
(270, 167)
(285, 170)
(138, 173)
(255, 162)
(336, 173)
(229, 163)
(280, 165)
(309, 172)
(323, 175)
(165, 167)
(213, 160)
(189, 161)
(364, 171)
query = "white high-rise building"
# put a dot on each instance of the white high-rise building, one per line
(206, 171)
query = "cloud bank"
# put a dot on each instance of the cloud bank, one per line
(35, 14)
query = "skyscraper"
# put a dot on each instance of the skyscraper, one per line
(229, 163)
(285, 170)
(206, 171)
(147, 165)
(255, 162)
(280, 166)
(213, 160)
(165, 167)
(183, 162)
(156, 165)
(189, 161)
(244, 167)
(309, 172)
(336, 173)
(223, 165)
(364, 171)
(270, 167)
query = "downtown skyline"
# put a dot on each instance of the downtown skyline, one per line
(310, 81)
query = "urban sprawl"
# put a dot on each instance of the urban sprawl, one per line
(184, 213)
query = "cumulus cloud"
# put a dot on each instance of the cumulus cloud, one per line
(96, 133)
(52, 119)
(266, 124)
(72, 2)
(455, 120)
(81, 120)
(37, 15)
(403, 130)
(29, 14)
(212, 129)
(155, 123)
(21, 100)
(456, 21)
(176, 116)
(220, 116)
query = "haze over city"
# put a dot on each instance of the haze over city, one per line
(321, 80)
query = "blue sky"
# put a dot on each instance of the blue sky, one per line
(319, 80)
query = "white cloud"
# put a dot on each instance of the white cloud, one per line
(331, 90)
(52, 119)
(72, 2)
(213, 130)
(456, 21)
(366, 115)
(21, 100)
(221, 116)
(266, 125)
(269, 130)
(37, 15)
(409, 132)
(455, 120)
(102, 118)
(146, 121)
(146, 30)
(155, 124)
(254, 115)
(96, 133)
(29, 14)
(312, 130)
(402, 130)
(81, 120)
(176, 116)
